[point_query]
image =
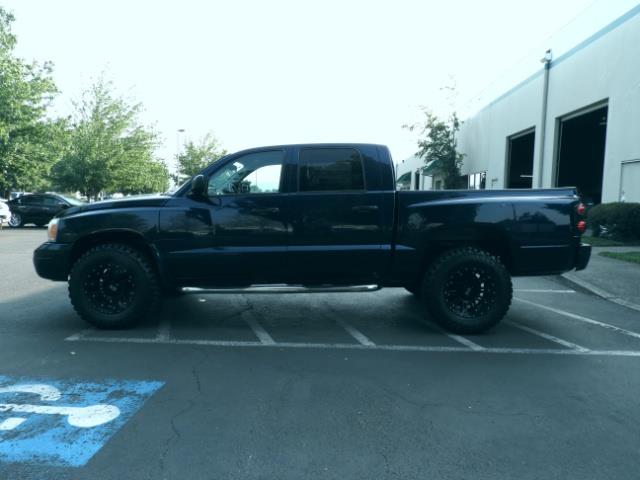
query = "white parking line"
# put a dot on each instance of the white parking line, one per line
(541, 290)
(259, 331)
(547, 336)
(164, 329)
(356, 346)
(355, 333)
(582, 319)
(464, 341)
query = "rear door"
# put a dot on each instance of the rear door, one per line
(338, 227)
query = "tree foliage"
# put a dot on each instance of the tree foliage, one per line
(438, 147)
(197, 156)
(109, 149)
(29, 142)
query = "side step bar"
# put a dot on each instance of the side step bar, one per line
(285, 289)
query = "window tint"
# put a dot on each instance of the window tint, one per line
(50, 201)
(253, 173)
(324, 169)
(30, 199)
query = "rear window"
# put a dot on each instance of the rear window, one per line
(330, 169)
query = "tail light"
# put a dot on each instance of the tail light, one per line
(581, 225)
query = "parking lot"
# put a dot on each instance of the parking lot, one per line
(331, 385)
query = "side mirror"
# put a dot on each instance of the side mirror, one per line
(198, 186)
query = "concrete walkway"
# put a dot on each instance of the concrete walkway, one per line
(615, 280)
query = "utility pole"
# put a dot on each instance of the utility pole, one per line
(543, 121)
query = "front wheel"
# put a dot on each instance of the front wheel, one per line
(467, 290)
(15, 220)
(113, 286)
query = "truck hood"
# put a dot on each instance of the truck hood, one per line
(141, 201)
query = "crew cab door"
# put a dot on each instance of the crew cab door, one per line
(341, 231)
(238, 234)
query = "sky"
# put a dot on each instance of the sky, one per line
(272, 72)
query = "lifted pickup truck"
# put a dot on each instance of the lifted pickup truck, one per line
(312, 218)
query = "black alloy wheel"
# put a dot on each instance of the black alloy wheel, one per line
(467, 290)
(113, 286)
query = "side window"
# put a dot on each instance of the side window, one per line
(29, 199)
(258, 172)
(50, 201)
(330, 169)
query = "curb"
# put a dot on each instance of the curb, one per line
(599, 292)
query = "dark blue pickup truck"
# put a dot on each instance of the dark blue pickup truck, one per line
(307, 218)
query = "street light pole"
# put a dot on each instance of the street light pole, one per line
(178, 132)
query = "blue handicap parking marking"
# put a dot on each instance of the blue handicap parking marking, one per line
(64, 422)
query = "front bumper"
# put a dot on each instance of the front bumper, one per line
(52, 260)
(582, 256)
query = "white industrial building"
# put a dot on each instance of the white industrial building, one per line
(575, 122)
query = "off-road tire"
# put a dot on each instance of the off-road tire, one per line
(135, 277)
(467, 290)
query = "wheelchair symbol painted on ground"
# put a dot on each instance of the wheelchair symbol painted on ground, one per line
(64, 423)
(82, 417)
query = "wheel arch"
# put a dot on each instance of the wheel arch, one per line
(125, 237)
(489, 238)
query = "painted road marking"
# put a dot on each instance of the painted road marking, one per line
(64, 423)
(608, 326)
(164, 329)
(541, 290)
(11, 423)
(464, 341)
(360, 337)
(547, 336)
(356, 346)
(259, 331)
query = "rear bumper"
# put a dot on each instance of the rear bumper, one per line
(51, 260)
(582, 256)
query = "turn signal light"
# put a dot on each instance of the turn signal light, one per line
(581, 209)
(52, 231)
(581, 226)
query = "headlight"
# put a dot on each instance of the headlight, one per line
(52, 231)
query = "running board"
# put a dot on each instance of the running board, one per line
(285, 289)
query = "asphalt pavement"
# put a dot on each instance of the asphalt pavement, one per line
(334, 386)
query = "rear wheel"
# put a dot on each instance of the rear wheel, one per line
(467, 290)
(113, 286)
(15, 220)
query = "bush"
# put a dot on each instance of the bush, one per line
(618, 219)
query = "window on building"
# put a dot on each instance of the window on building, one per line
(330, 169)
(477, 181)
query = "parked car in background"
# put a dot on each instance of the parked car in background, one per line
(5, 213)
(38, 208)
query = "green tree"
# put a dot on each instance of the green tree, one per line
(438, 147)
(29, 142)
(109, 149)
(197, 156)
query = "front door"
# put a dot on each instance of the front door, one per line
(249, 214)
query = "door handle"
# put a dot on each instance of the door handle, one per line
(264, 211)
(364, 208)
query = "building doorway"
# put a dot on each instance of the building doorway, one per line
(581, 153)
(520, 160)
